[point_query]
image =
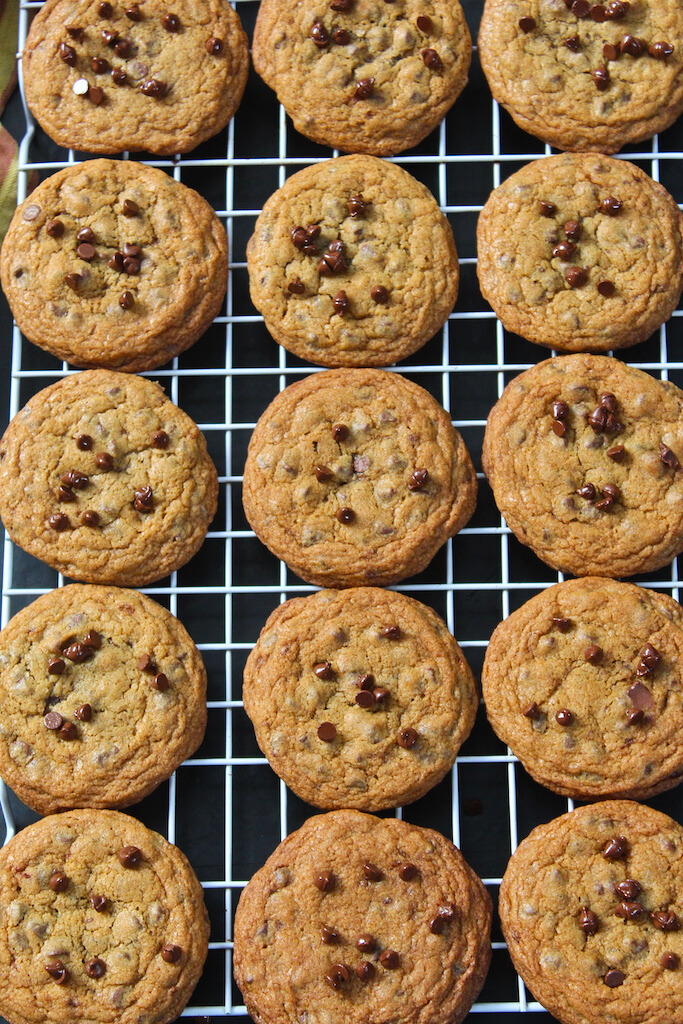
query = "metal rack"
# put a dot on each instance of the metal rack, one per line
(225, 807)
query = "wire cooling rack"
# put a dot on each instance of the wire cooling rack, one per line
(225, 807)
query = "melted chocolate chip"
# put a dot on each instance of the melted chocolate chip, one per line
(391, 632)
(589, 923)
(364, 89)
(636, 716)
(418, 480)
(323, 474)
(341, 5)
(296, 287)
(581, 8)
(95, 968)
(95, 95)
(617, 9)
(144, 499)
(617, 453)
(632, 46)
(670, 961)
(100, 66)
(324, 881)
(573, 43)
(615, 849)
(73, 281)
(154, 87)
(563, 625)
(58, 972)
(665, 920)
(606, 289)
(337, 975)
(105, 9)
(437, 925)
(432, 59)
(59, 882)
(99, 903)
(327, 732)
(75, 32)
(610, 206)
(341, 303)
(629, 911)
(527, 24)
(130, 856)
(610, 51)
(357, 206)
(532, 711)
(564, 250)
(133, 13)
(668, 457)
(160, 439)
(146, 664)
(78, 653)
(598, 13)
(629, 889)
(83, 713)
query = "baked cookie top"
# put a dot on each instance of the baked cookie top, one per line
(100, 920)
(582, 453)
(581, 252)
(103, 695)
(583, 75)
(111, 263)
(583, 683)
(105, 77)
(359, 698)
(352, 263)
(356, 477)
(106, 480)
(591, 907)
(358, 918)
(364, 76)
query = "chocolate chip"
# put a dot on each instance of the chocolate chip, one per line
(105, 10)
(86, 251)
(214, 46)
(115, 262)
(53, 720)
(99, 903)
(617, 9)
(130, 856)
(598, 419)
(58, 521)
(580, 8)
(90, 518)
(340, 432)
(668, 457)
(564, 717)
(341, 303)
(95, 95)
(104, 461)
(613, 979)
(641, 696)
(95, 968)
(407, 738)
(304, 238)
(131, 265)
(171, 22)
(615, 849)
(171, 954)
(665, 920)
(319, 34)
(328, 935)
(54, 228)
(65, 493)
(660, 51)
(59, 882)
(407, 871)
(131, 250)
(588, 492)
(573, 43)
(670, 961)
(74, 478)
(598, 13)
(576, 277)
(372, 873)
(337, 975)
(564, 250)
(68, 731)
(126, 300)
(380, 693)
(593, 654)
(364, 88)
(532, 711)
(93, 639)
(617, 453)
(632, 46)
(160, 682)
(610, 206)
(144, 499)
(606, 288)
(437, 925)
(75, 32)
(424, 23)
(327, 732)
(433, 60)
(83, 713)
(365, 699)
(58, 972)
(379, 294)
(628, 911)
(296, 287)
(636, 716)
(589, 922)
(99, 65)
(389, 959)
(612, 492)
(324, 670)
(133, 13)
(160, 439)
(604, 505)
(650, 656)
(563, 625)
(365, 970)
(123, 48)
(418, 480)
(559, 428)
(341, 5)
(610, 51)
(391, 632)
(68, 54)
(324, 881)
(356, 206)
(613, 425)
(55, 666)
(629, 889)
(154, 87)
(366, 681)
(78, 653)
(365, 943)
(345, 515)
(560, 410)
(547, 209)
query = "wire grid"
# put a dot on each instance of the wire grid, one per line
(472, 583)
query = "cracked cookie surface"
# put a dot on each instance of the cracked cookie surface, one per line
(582, 453)
(364, 76)
(100, 920)
(106, 480)
(591, 906)
(585, 76)
(583, 683)
(397, 267)
(112, 263)
(107, 77)
(563, 215)
(383, 672)
(356, 477)
(358, 918)
(103, 697)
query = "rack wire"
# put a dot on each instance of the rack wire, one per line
(225, 807)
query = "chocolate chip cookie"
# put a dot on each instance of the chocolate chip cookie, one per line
(100, 920)
(582, 75)
(357, 918)
(583, 682)
(364, 76)
(104, 77)
(112, 263)
(581, 253)
(102, 696)
(357, 477)
(359, 698)
(582, 453)
(591, 906)
(106, 480)
(352, 263)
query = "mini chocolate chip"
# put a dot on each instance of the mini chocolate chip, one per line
(324, 670)
(389, 959)
(660, 51)
(364, 88)
(90, 518)
(95, 968)
(407, 738)
(160, 682)
(670, 961)
(610, 206)
(95, 95)
(665, 920)
(407, 871)
(99, 903)
(83, 713)
(612, 491)
(610, 51)
(59, 882)
(432, 59)
(613, 979)
(365, 943)
(53, 720)
(105, 10)
(588, 492)
(78, 653)
(68, 54)
(615, 849)
(319, 34)
(130, 856)
(532, 711)
(171, 22)
(75, 32)
(133, 13)
(341, 303)
(379, 294)
(636, 716)
(55, 228)
(171, 954)
(58, 521)
(629, 889)
(564, 250)
(573, 43)
(563, 625)
(126, 300)
(365, 699)
(391, 632)
(160, 439)
(100, 66)
(154, 87)
(365, 970)
(296, 287)
(86, 251)
(68, 731)
(143, 500)
(340, 432)
(632, 46)
(55, 666)
(564, 717)
(366, 681)
(598, 13)
(606, 288)
(74, 478)
(668, 457)
(345, 515)
(372, 873)
(593, 654)
(131, 265)
(617, 9)
(576, 277)
(589, 922)
(214, 46)
(328, 935)
(58, 972)
(547, 209)
(418, 480)
(324, 881)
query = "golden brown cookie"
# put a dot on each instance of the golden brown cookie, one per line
(100, 920)
(583, 75)
(106, 480)
(105, 77)
(352, 263)
(583, 683)
(364, 76)
(591, 906)
(355, 918)
(582, 453)
(359, 698)
(102, 697)
(357, 477)
(112, 263)
(581, 253)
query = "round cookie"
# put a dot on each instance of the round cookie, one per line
(100, 920)
(356, 477)
(106, 480)
(591, 907)
(358, 918)
(583, 684)
(585, 76)
(364, 76)
(102, 697)
(582, 453)
(359, 698)
(581, 253)
(107, 77)
(352, 263)
(111, 263)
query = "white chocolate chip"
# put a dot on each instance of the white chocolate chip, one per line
(80, 87)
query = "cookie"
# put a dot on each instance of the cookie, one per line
(102, 697)
(359, 698)
(591, 906)
(356, 477)
(364, 76)
(359, 919)
(106, 77)
(352, 263)
(582, 453)
(582, 75)
(581, 253)
(106, 480)
(100, 920)
(112, 263)
(583, 684)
